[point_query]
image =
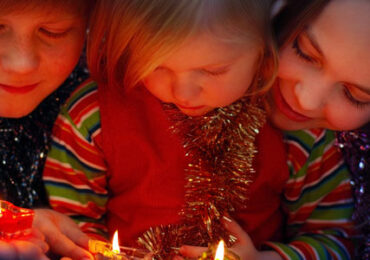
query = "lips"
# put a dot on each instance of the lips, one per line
(18, 89)
(285, 108)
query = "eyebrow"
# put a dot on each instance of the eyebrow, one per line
(316, 46)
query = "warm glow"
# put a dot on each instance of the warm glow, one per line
(115, 244)
(220, 251)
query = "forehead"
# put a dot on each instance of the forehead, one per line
(204, 49)
(342, 31)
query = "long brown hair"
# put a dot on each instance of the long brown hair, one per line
(295, 15)
(130, 38)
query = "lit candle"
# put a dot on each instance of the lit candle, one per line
(15, 222)
(221, 253)
(105, 251)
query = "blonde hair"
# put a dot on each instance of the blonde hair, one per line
(130, 38)
(81, 7)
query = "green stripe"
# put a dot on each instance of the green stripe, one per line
(80, 93)
(62, 157)
(77, 196)
(320, 191)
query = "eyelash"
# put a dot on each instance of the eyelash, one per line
(213, 73)
(352, 100)
(300, 53)
(45, 32)
(53, 34)
(346, 92)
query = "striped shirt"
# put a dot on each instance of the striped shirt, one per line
(317, 198)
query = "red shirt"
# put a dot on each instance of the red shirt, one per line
(146, 165)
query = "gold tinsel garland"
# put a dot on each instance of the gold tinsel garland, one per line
(220, 147)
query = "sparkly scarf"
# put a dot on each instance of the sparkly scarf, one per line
(24, 144)
(356, 149)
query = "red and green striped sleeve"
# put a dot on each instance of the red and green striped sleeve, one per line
(75, 170)
(317, 199)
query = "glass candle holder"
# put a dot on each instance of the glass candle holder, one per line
(15, 222)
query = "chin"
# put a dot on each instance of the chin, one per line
(193, 113)
(15, 113)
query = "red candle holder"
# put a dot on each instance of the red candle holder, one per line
(15, 222)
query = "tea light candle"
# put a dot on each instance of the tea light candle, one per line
(221, 253)
(14, 221)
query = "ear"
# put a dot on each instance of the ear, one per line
(277, 6)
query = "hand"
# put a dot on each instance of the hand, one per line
(62, 234)
(27, 248)
(244, 246)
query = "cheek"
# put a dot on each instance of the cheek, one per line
(347, 117)
(64, 55)
(289, 65)
(235, 85)
(159, 85)
(224, 92)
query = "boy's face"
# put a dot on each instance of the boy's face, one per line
(204, 73)
(38, 50)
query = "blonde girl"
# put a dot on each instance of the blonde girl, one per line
(113, 158)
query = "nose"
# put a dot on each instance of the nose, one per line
(311, 96)
(19, 56)
(186, 90)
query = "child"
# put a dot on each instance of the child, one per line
(113, 141)
(324, 82)
(40, 45)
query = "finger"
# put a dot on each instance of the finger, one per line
(148, 256)
(37, 234)
(27, 250)
(40, 243)
(7, 251)
(62, 245)
(73, 232)
(236, 230)
(192, 251)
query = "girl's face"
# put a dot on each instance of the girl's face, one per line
(204, 73)
(324, 75)
(38, 50)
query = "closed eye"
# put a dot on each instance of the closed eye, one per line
(218, 72)
(54, 34)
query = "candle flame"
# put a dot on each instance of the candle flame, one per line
(115, 244)
(220, 251)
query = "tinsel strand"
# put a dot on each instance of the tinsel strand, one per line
(220, 148)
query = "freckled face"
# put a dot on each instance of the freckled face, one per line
(204, 73)
(38, 50)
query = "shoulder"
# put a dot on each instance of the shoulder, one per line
(312, 148)
(81, 110)
(311, 139)
(86, 91)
